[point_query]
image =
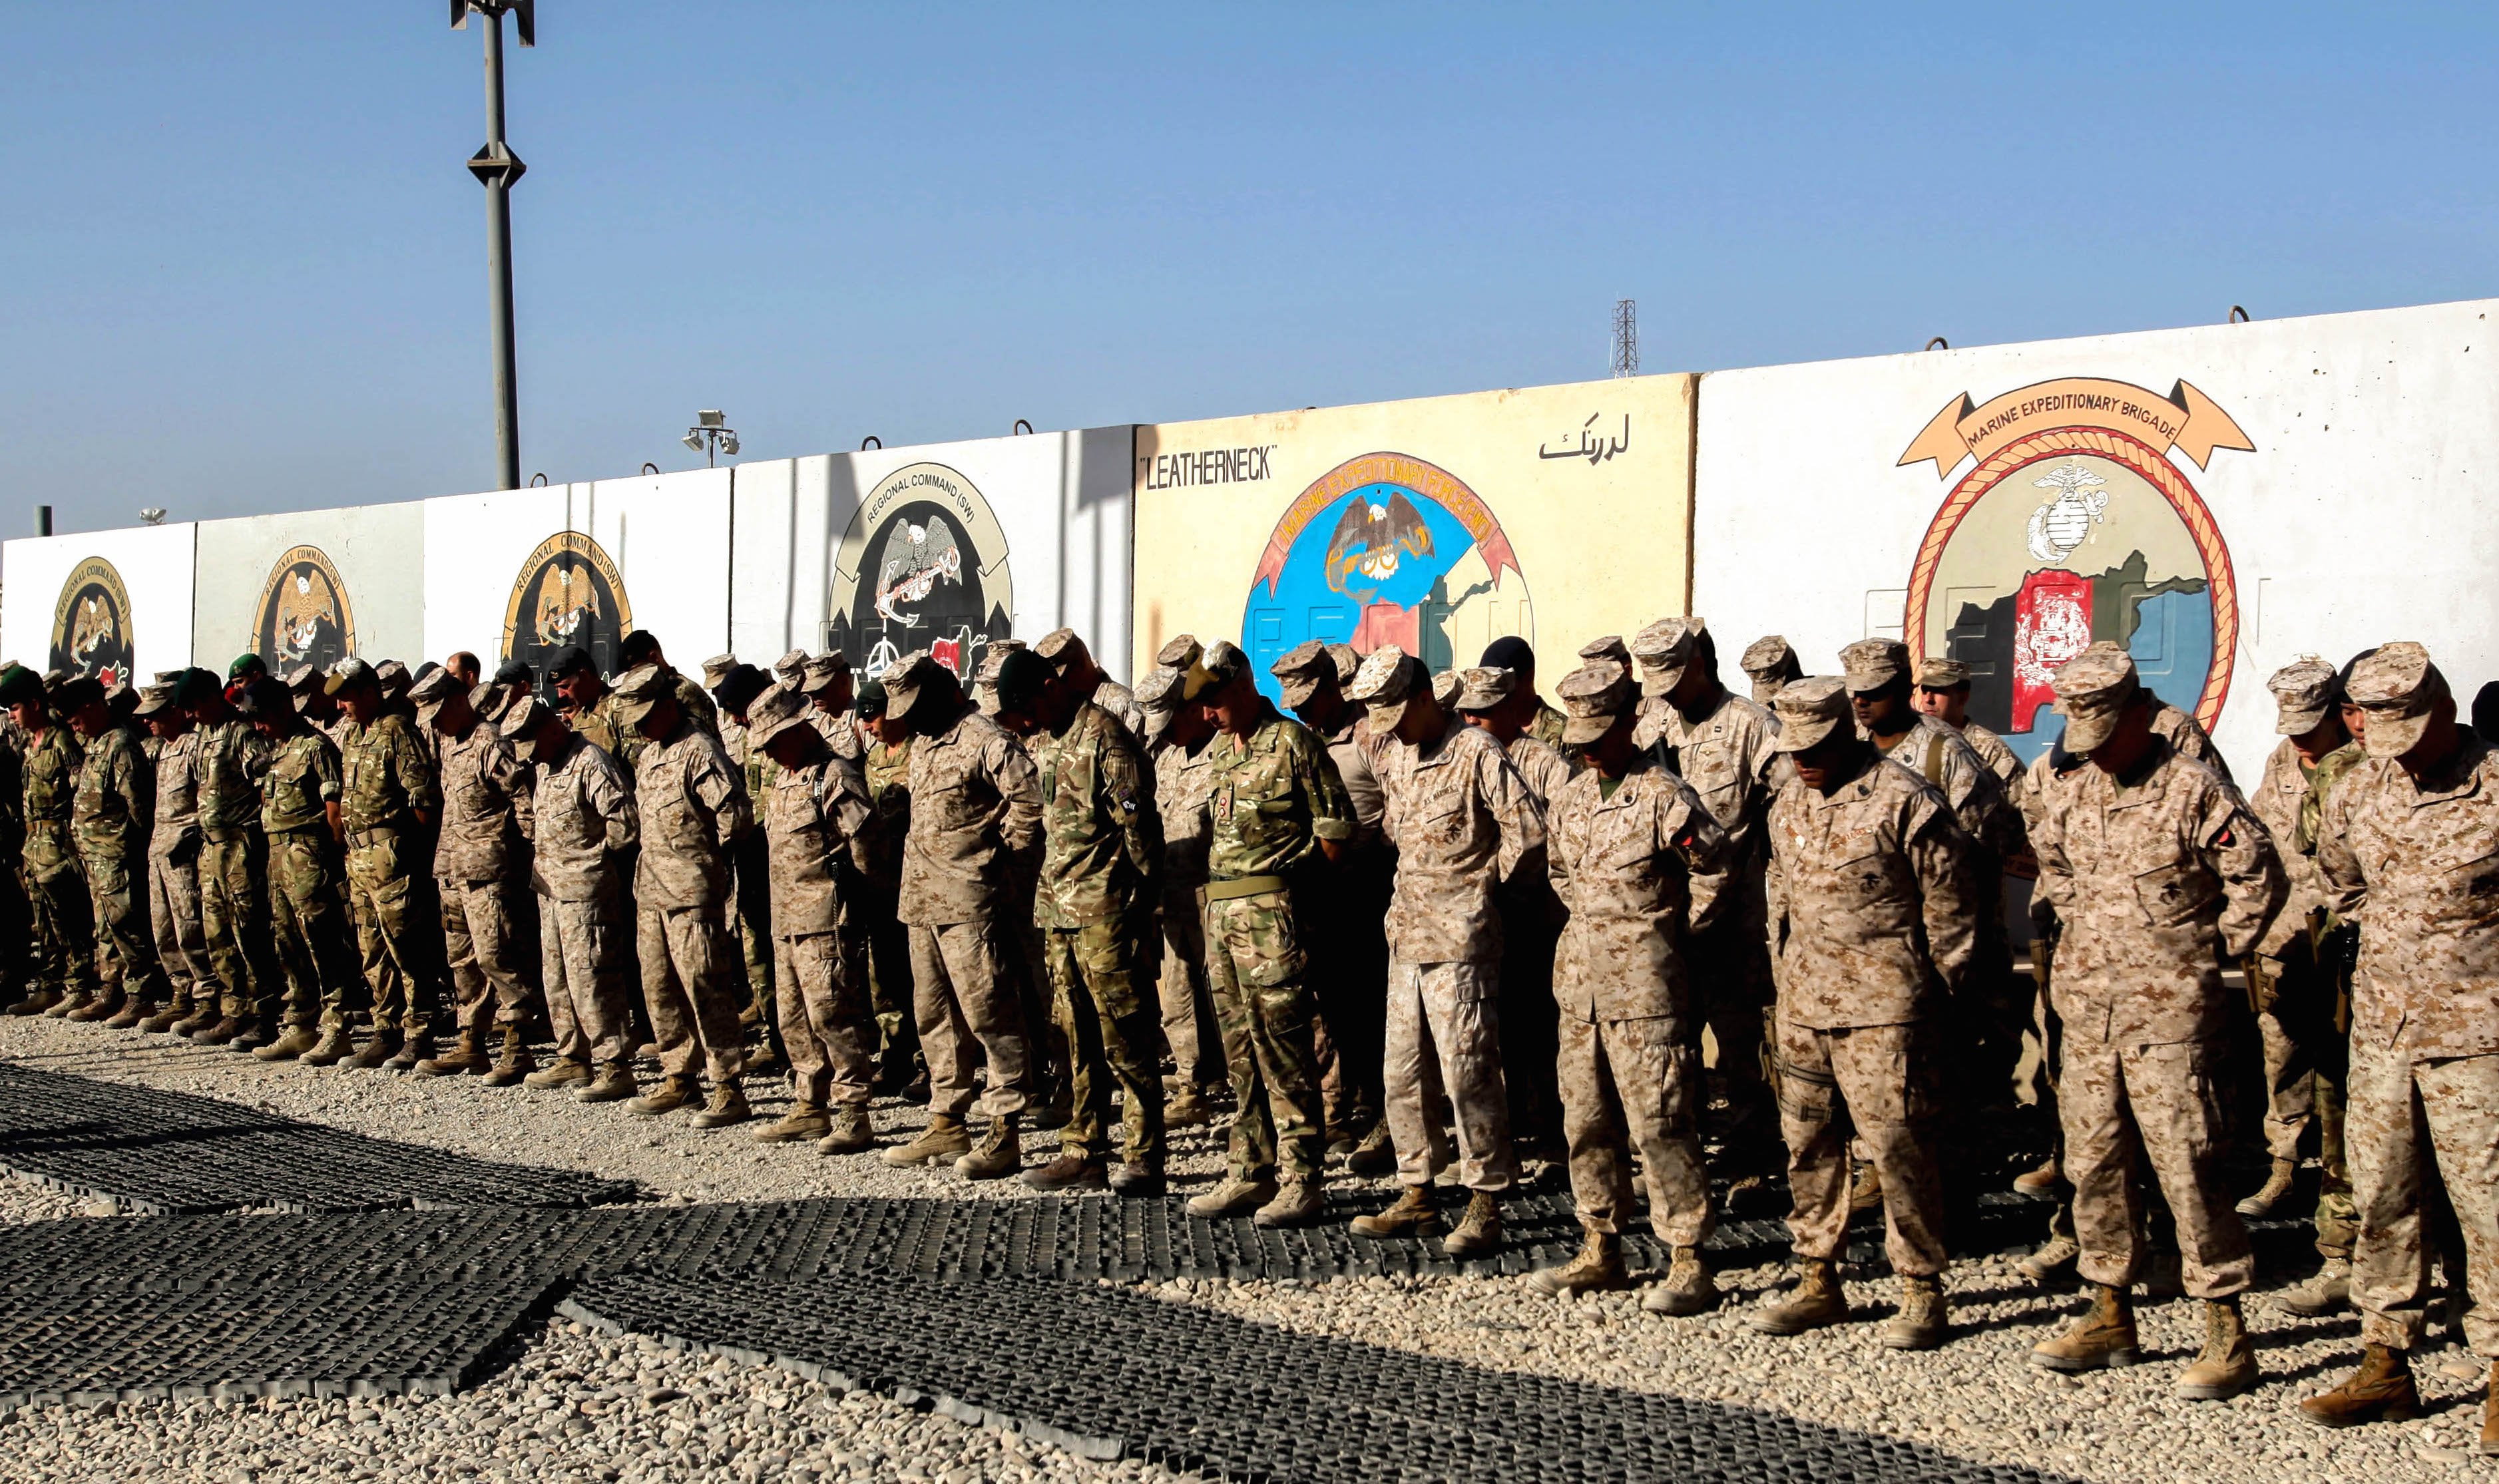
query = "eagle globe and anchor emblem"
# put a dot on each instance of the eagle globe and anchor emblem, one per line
(1385, 549)
(2073, 525)
(921, 565)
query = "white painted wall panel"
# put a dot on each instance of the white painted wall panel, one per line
(374, 555)
(150, 566)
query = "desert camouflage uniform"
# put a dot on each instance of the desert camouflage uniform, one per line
(1999, 756)
(233, 879)
(116, 801)
(1873, 898)
(387, 778)
(174, 877)
(693, 807)
(2152, 881)
(308, 900)
(888, 772)
(54, 870)
(751, 895)
(583, 830)
(1122, 702)
(819, 830)
(1638, 870)
(2187, 737)
(975, 819)
(1344, 904)
(2417, 866)
(2296, 989)
(1101, 846)
(1462, 822)
(605, 723)
(1531, 924)
(1190, 1029)
(481, 865)
(1271, 798)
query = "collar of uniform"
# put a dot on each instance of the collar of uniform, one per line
(2455, 778)
(1625, 794)
(1443, 748)
(2150, 787)
(1855, 791)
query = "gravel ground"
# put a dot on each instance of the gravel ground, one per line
(575, 1405)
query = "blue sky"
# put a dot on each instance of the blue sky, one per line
(244, 268)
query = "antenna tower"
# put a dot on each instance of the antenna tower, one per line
(1626, 339)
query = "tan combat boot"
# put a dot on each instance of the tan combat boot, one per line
(297, 1040)
(2381, 1390)
(1070, 1170)
(69, 1004)
(1923, 1319)
(133, 1010)
(222, 1032)
(414, 1050)
(1413, 1215)
(2103, 1336)
(1478, 1231)
(2227, 1366)
(943, 1139)
(1137, 1179)
(381, 1046)
(201, 1017)
(1184, 1108)
(2043, 1181)
(328, 1051)
(1375, 1154)
(803, 1120)
(98, 1007)
(2273, 1192)
(563, 1072)
(727, 1106)
(166, 1018)
(1816, 1303)
(1238, 1196)
(1598, 1267)
(468, 1053)
(614, 1083)
(1300, 1200)
(37, 1002)
(850, 1132)
(672, 1093)
(998, 1154)
(1866, 1194)
(2489, 1443)
(2328, 1292)
(516, 1063)
(1689, 1287)
(2054, 1261)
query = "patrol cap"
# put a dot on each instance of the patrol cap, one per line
(911, 676)
(2304, 693)
(154, 699)
(1610, 647)
(167, 677)
(1446, 687)
(1347, 659)
(1768, 654)
(641, 689)
(1181, 655)
(1388, 679)
(244, 664)
(20, 687)
(776, 711)
(2093, 689)
(1179, 652)
(1811, 710)
(1221, 662)
(1594, 697)
(1020, 675)
(1870, 664)
(791, 666)
(716, 669)
(1301, 670)
(571, 660)
(392, 675)
(2398, 687)
(1665, 650)
(870, 701)
(1062, 648)
(1485, 687)
(265, 697)
(823, 672)
(58, 676)
(347, 672)
(303, 678)
(489, 699)
(431, 693)
(520, 720)
(1161, 689)
(1937, 673)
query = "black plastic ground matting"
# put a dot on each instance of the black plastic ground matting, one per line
(1109, 1372)
(167, 1153)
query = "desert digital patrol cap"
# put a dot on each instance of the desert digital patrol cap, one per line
(1664, 651)
(438, 687)
(1594, 697)
(2399, 689)
(716, 669)
(789, 665)
(2304, 692)
(2093, 690)
(1870, 664)
(1936, 673)
(350, 671)
(1810, 710)
(1390, 679)
(776, 711)
(1484, 686)
(1769, 655)
(639, 690)
(1299, 672)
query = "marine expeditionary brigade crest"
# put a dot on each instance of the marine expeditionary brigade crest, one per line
(91, 633)
(1385, 549)
(304, 616)
(923, 565)
(2073, 523)
(569, 593)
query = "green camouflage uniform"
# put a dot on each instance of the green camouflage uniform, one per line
(234, 875)
(386, 779)
(64, 942)
(1272, 799)
(889, 942)
(1101, 846)
(16, 928)
(308, 902)
(113, 816)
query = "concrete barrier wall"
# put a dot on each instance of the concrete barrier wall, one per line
(1557, 513)
(945, 546)
(115, 603)
(312, 586)
(2222, 500)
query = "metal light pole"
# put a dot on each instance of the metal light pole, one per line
(711, 436)
(497, 168)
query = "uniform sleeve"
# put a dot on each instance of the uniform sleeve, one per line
(2240, 851)
(325, 768)
(1513, 809)
(723, 792)
(2346, 885)
(1940, 853)
(1774, 879)
(1127, 788)
(1563, 835)
(846, 803)
(1018, 785)
(2056, 885)
(1687, 828)
(416, 773)
(138, 785)
(1332, 815)
(604, 791)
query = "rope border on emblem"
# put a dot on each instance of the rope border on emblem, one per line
(2144, 459)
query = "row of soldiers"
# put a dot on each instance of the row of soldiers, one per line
(1815, 882)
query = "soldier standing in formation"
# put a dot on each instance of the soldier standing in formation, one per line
(113, 815)
(232, 873)
(1176, 732)
(479, 879)
(886, 766)
(583, 831)
(174, 865)
(388, 803)
(63, 971)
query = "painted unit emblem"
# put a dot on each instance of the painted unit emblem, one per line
(304, 616)
(2073, 523)
(91, 633)
(1385, 549)
(568, 593)
(923, 565)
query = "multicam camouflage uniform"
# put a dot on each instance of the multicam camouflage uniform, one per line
(888, 773)
(583, 828)
(1101, 845)
(233, 879)
(821, 830)
(2416, 863)
(1639, 867)
(55, 871)
(1187, 1003)
(16, 925)
(1271, 798)
(114, 807)
(479, 870)
(174, 877)
(693, 808)
(308, 895)
(388, 780)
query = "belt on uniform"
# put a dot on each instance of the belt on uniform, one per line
(226, 836)
(358, 839)
(1224, 888)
